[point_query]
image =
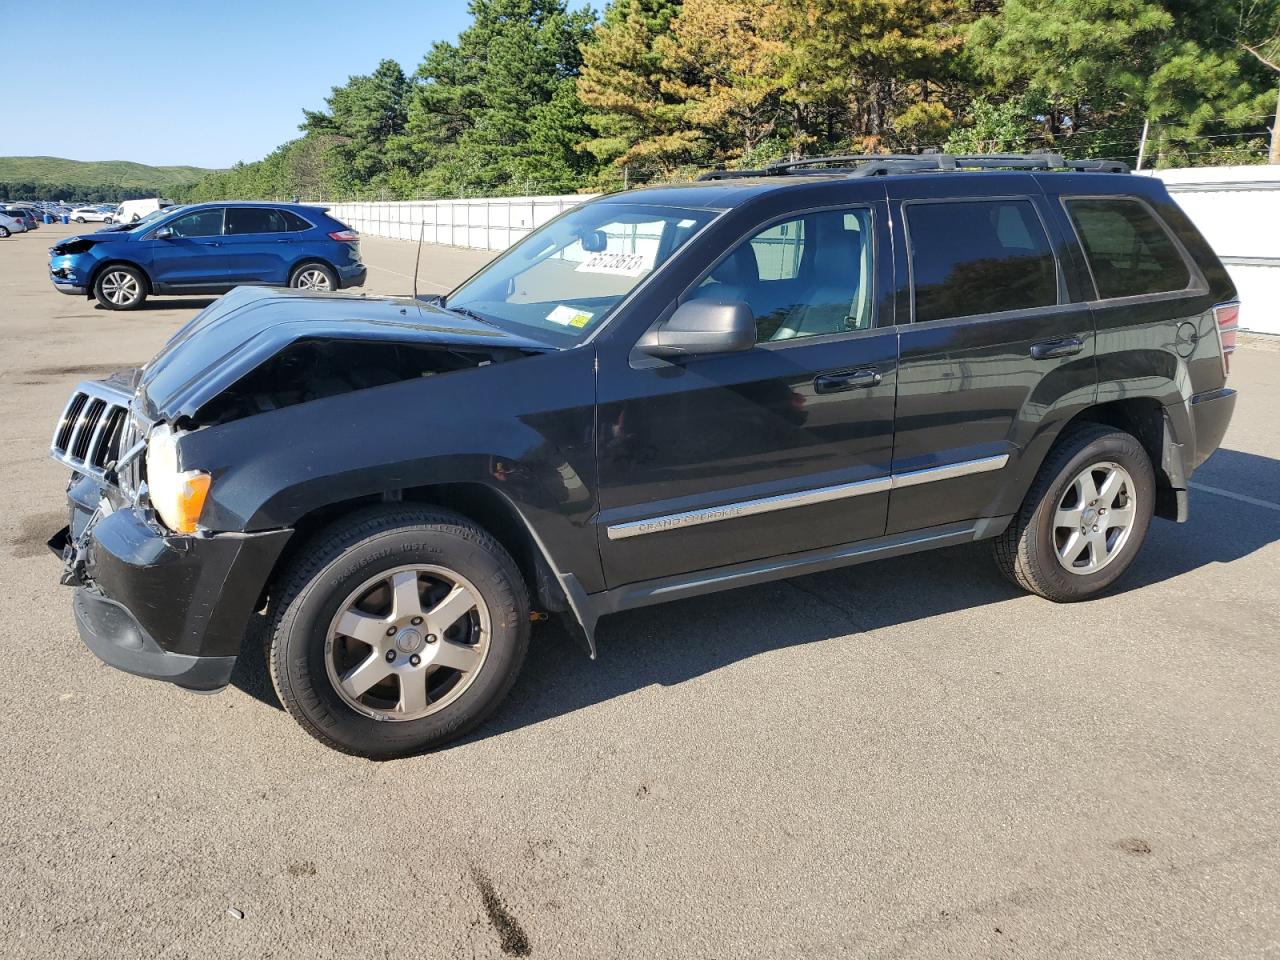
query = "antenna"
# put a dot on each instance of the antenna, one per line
(422, 232)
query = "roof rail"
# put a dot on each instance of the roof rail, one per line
(882, 164)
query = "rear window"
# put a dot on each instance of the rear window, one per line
(978, 256)
(1129, 252)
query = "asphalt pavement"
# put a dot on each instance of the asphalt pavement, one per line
(903, 759)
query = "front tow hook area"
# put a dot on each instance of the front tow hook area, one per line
(64, 547)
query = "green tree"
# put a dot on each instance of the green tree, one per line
(362, 117)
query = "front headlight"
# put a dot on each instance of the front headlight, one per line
(178, 497)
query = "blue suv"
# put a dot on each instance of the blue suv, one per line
(209, 248)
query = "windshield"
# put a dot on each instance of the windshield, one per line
(152, 217)
(562, 281)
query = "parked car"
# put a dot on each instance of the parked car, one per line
(209, 248)
(131, 211)
(11, 224)
(26, 214)
(89, 215)
(659, 394)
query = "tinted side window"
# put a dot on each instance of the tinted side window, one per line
(1128, 251)
(293, 222)
(202, 223)
(241, 220)
(804, 277)
(978, 256)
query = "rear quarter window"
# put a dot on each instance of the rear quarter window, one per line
(1128, 250)
(295, 223)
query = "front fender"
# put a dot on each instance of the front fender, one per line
(523, 428)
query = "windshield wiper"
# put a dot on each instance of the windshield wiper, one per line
(471, 314)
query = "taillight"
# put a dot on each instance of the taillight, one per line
(346, 236)
(1226, 320)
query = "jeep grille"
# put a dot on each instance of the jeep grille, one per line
(91, 430)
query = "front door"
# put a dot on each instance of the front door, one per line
(997, 344)
(192, 255)
(783, 448)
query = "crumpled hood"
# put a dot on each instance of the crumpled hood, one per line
(99, 236)
(250, 325)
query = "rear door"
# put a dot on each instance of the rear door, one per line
(192, 256)
(997, 344)
(258, 244)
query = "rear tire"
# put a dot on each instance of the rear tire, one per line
(1084, 518)
(313, 276)
(385, 574)
(120, 287)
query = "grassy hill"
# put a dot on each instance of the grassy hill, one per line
(108, 179)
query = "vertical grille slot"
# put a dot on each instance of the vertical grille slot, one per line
(70, 416)
(85, 428)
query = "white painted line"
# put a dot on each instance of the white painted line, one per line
(409, 276)
(1236, 496)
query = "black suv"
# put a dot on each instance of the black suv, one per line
(659, 394)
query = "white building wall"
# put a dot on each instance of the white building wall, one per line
(1238, 211)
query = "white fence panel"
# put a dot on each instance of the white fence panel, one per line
(1236, 208)
(492, 224)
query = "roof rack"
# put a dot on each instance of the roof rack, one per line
(883, 164)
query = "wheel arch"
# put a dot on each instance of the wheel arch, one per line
(1147, 420)
(552, 591)
(302, 261)
(119, 262)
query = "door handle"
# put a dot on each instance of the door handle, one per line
(837, 382)
(1053, 349)
(284, 239)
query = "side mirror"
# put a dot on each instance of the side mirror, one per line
(701, 327)
(164, 233)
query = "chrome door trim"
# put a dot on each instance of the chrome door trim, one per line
(949, 471)
(804, 498)
(747, 508)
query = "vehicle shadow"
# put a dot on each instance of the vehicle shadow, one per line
(175, 303)
(680, 641)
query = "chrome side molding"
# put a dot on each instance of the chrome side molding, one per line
(805, 498)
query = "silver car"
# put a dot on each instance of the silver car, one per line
(10, 225)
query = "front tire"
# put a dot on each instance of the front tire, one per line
(120, 288)
(79, 219)
(396, 631)
(4, 233)
(1085, 517)
(313, 276)
(108, 220)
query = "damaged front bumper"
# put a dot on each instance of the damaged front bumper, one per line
(155, 604)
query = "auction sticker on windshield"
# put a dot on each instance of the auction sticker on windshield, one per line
(618, 264)
(570, 316)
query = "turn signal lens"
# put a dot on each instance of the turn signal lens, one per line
(190, 501)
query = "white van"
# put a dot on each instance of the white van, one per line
(131, 211)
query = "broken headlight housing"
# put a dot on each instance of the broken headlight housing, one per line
(177, 496)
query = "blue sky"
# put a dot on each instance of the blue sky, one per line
(204, 83)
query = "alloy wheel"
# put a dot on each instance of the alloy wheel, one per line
(121, 288)
(312, 279)
(1094, 518)
(407, 643)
